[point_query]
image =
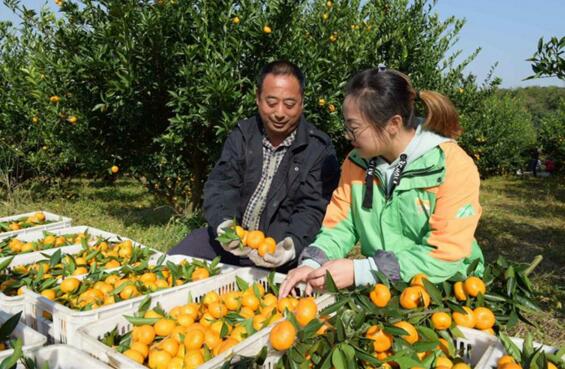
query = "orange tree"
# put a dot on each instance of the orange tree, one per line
(154, 87)
(551, 137)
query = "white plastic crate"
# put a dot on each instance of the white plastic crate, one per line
(66, 321)
(491, 360)
(65, 357)
(109, 236)
(58, 222)
(14, 304)
(31, 339)
(472, 348)
(254, 344)
(88, 336)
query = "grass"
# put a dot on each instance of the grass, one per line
(522, 217)
(124, 208)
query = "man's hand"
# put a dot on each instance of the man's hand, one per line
(294, 277)
(284, 252)
(233, 246)
(342, 272)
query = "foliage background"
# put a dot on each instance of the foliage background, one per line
(154, 87)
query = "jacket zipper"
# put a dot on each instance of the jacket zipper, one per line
(409, 174)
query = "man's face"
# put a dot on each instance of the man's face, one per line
(280, 106)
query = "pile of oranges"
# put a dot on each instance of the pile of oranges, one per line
(256, 240)
(508, 362)
(193, 333)
(102, 255)
(14, 246)
(416, 295)
(109, 288)
(283, 334)
(36, 219)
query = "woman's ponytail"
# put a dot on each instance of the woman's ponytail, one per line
(441, 116)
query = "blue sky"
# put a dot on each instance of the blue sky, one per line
(506, 30)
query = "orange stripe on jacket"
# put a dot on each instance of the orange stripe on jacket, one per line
(340, 205)
(452, 234)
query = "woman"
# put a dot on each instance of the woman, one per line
(408, 193)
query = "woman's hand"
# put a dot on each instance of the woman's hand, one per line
(294, 277)
(342, 272)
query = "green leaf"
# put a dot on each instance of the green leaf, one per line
(271, 283)
(349, 352)
(509, 272)
(109, 338)
(456, 307)
(224, 331)
(329, 283)
(91, 255)
(141, 321)
(406, 362)
(10, 361)
(215, 262)
(335, 307)
(428, 333)
(339, 359)
(241, 284)
(311, 328)
(512, 319)
(525, 281)
(381, 278)
(4, 264)
(396, 331)
(527, 303)
(121, 287)
(161, 259)
(434, 292)
(256, 291)
(540, 359)
(9, 325)
(145, 304)
(510, 347)
(55, 258)
(528, 347)
(424, 346)
(510, 287)
(456, 332)
(292, 318)
(364, 356)
(340, 330)
(495, 298)
(450, 346)
(473, 266)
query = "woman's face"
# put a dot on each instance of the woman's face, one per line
(362, 134)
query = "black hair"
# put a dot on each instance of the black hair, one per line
(381, 94)
(281, 67)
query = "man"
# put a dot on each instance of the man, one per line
(276, 174)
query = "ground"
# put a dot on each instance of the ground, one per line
(522, 217)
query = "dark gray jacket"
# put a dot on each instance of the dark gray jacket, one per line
(299, 193)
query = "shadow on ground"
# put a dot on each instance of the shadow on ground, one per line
(128, 201)
(144, 216)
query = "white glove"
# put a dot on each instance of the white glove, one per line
(232, 246)
(284, 252)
